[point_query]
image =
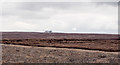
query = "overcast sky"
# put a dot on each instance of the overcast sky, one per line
(73, 17)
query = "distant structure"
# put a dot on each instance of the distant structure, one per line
(48, 31)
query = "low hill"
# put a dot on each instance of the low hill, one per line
(40, 35)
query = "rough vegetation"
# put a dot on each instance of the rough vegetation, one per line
(34, 47)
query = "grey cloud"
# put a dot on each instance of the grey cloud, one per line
(67, 17)
(34, 6)
(61, 0)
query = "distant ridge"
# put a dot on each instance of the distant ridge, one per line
(55, 35)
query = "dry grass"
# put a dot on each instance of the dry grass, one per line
(29, 54)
